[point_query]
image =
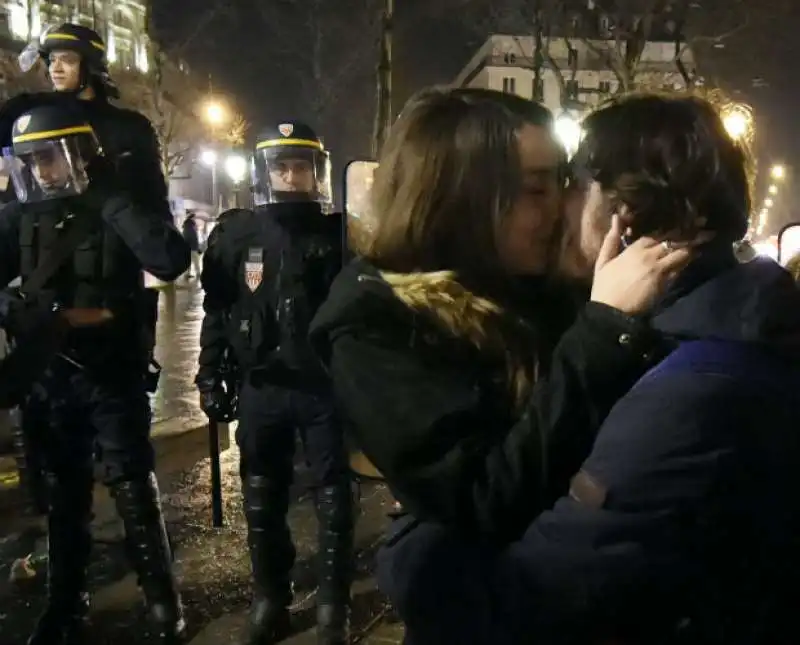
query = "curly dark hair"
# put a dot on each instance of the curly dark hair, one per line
(671, 162)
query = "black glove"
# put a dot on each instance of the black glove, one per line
(216, 403)
(21, 317)
(38, 331)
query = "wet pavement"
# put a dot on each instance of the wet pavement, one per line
(211, 563)
(179, 317)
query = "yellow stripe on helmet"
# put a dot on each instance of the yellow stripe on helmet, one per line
(62, 36)
(274, 143)
(52, 134)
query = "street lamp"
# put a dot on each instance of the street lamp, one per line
(209, 158)
(778, 172)
(738, 121)
(568, 131)
(215, 113)
(773, 190)
(768, 202)
(236, 169)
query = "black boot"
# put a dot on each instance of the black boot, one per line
(335, 516)
(146, 538)
(69, 544)
(30, 466)
(272, 555)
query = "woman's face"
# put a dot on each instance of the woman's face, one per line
(526, 234)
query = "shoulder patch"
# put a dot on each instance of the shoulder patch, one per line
(254, 268)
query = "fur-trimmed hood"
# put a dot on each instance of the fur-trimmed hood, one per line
(445, 322)
(434, 304)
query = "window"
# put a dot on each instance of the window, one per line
(537, 90)
(510, 59)
(572, 58)
(604, 87)
(604, 24)
(572, 90)
(509, 85)
(125, 57)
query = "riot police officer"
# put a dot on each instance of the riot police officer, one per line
(75, 57)
(265, 273)
(69, 205)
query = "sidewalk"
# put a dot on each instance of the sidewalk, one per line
(175, 405)
(179, 444)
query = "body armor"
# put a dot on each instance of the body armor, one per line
(95, 277)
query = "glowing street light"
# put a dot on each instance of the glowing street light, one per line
(773, 190)
(568, 131)
(236, 168)
(738, 121)
(215, 113)
(208, 158)
(778, 172)
(768, 202)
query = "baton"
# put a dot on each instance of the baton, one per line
(216, 475)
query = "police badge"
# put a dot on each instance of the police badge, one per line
(254, 268)
(286, 129)
(23, 122)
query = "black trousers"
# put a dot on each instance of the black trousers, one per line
(269, 416)
(74, 417)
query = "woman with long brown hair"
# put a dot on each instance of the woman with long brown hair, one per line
(442, 339)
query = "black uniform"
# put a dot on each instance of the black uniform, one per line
(129, 142)
(265, 273)
(38, 331)
(94, 390)
(127, 137)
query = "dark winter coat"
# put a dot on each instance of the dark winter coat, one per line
(682, 526)
(435, 381)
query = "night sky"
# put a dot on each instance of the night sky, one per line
(262, 58)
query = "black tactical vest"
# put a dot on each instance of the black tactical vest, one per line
(97, 275)
(283, 278)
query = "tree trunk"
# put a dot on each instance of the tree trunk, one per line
(317, 106)
(383, 108)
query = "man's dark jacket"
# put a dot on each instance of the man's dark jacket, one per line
(682, 526)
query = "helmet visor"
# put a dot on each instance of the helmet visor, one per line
(33, 50)
(292, 174)
(48, 169)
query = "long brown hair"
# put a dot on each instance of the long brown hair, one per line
(449, 173)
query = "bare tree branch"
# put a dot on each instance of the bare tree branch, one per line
(330, 46)
(169, 96)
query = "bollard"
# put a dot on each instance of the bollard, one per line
(216, 475)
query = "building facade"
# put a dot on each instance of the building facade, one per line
(574, 64)
(122, 23)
